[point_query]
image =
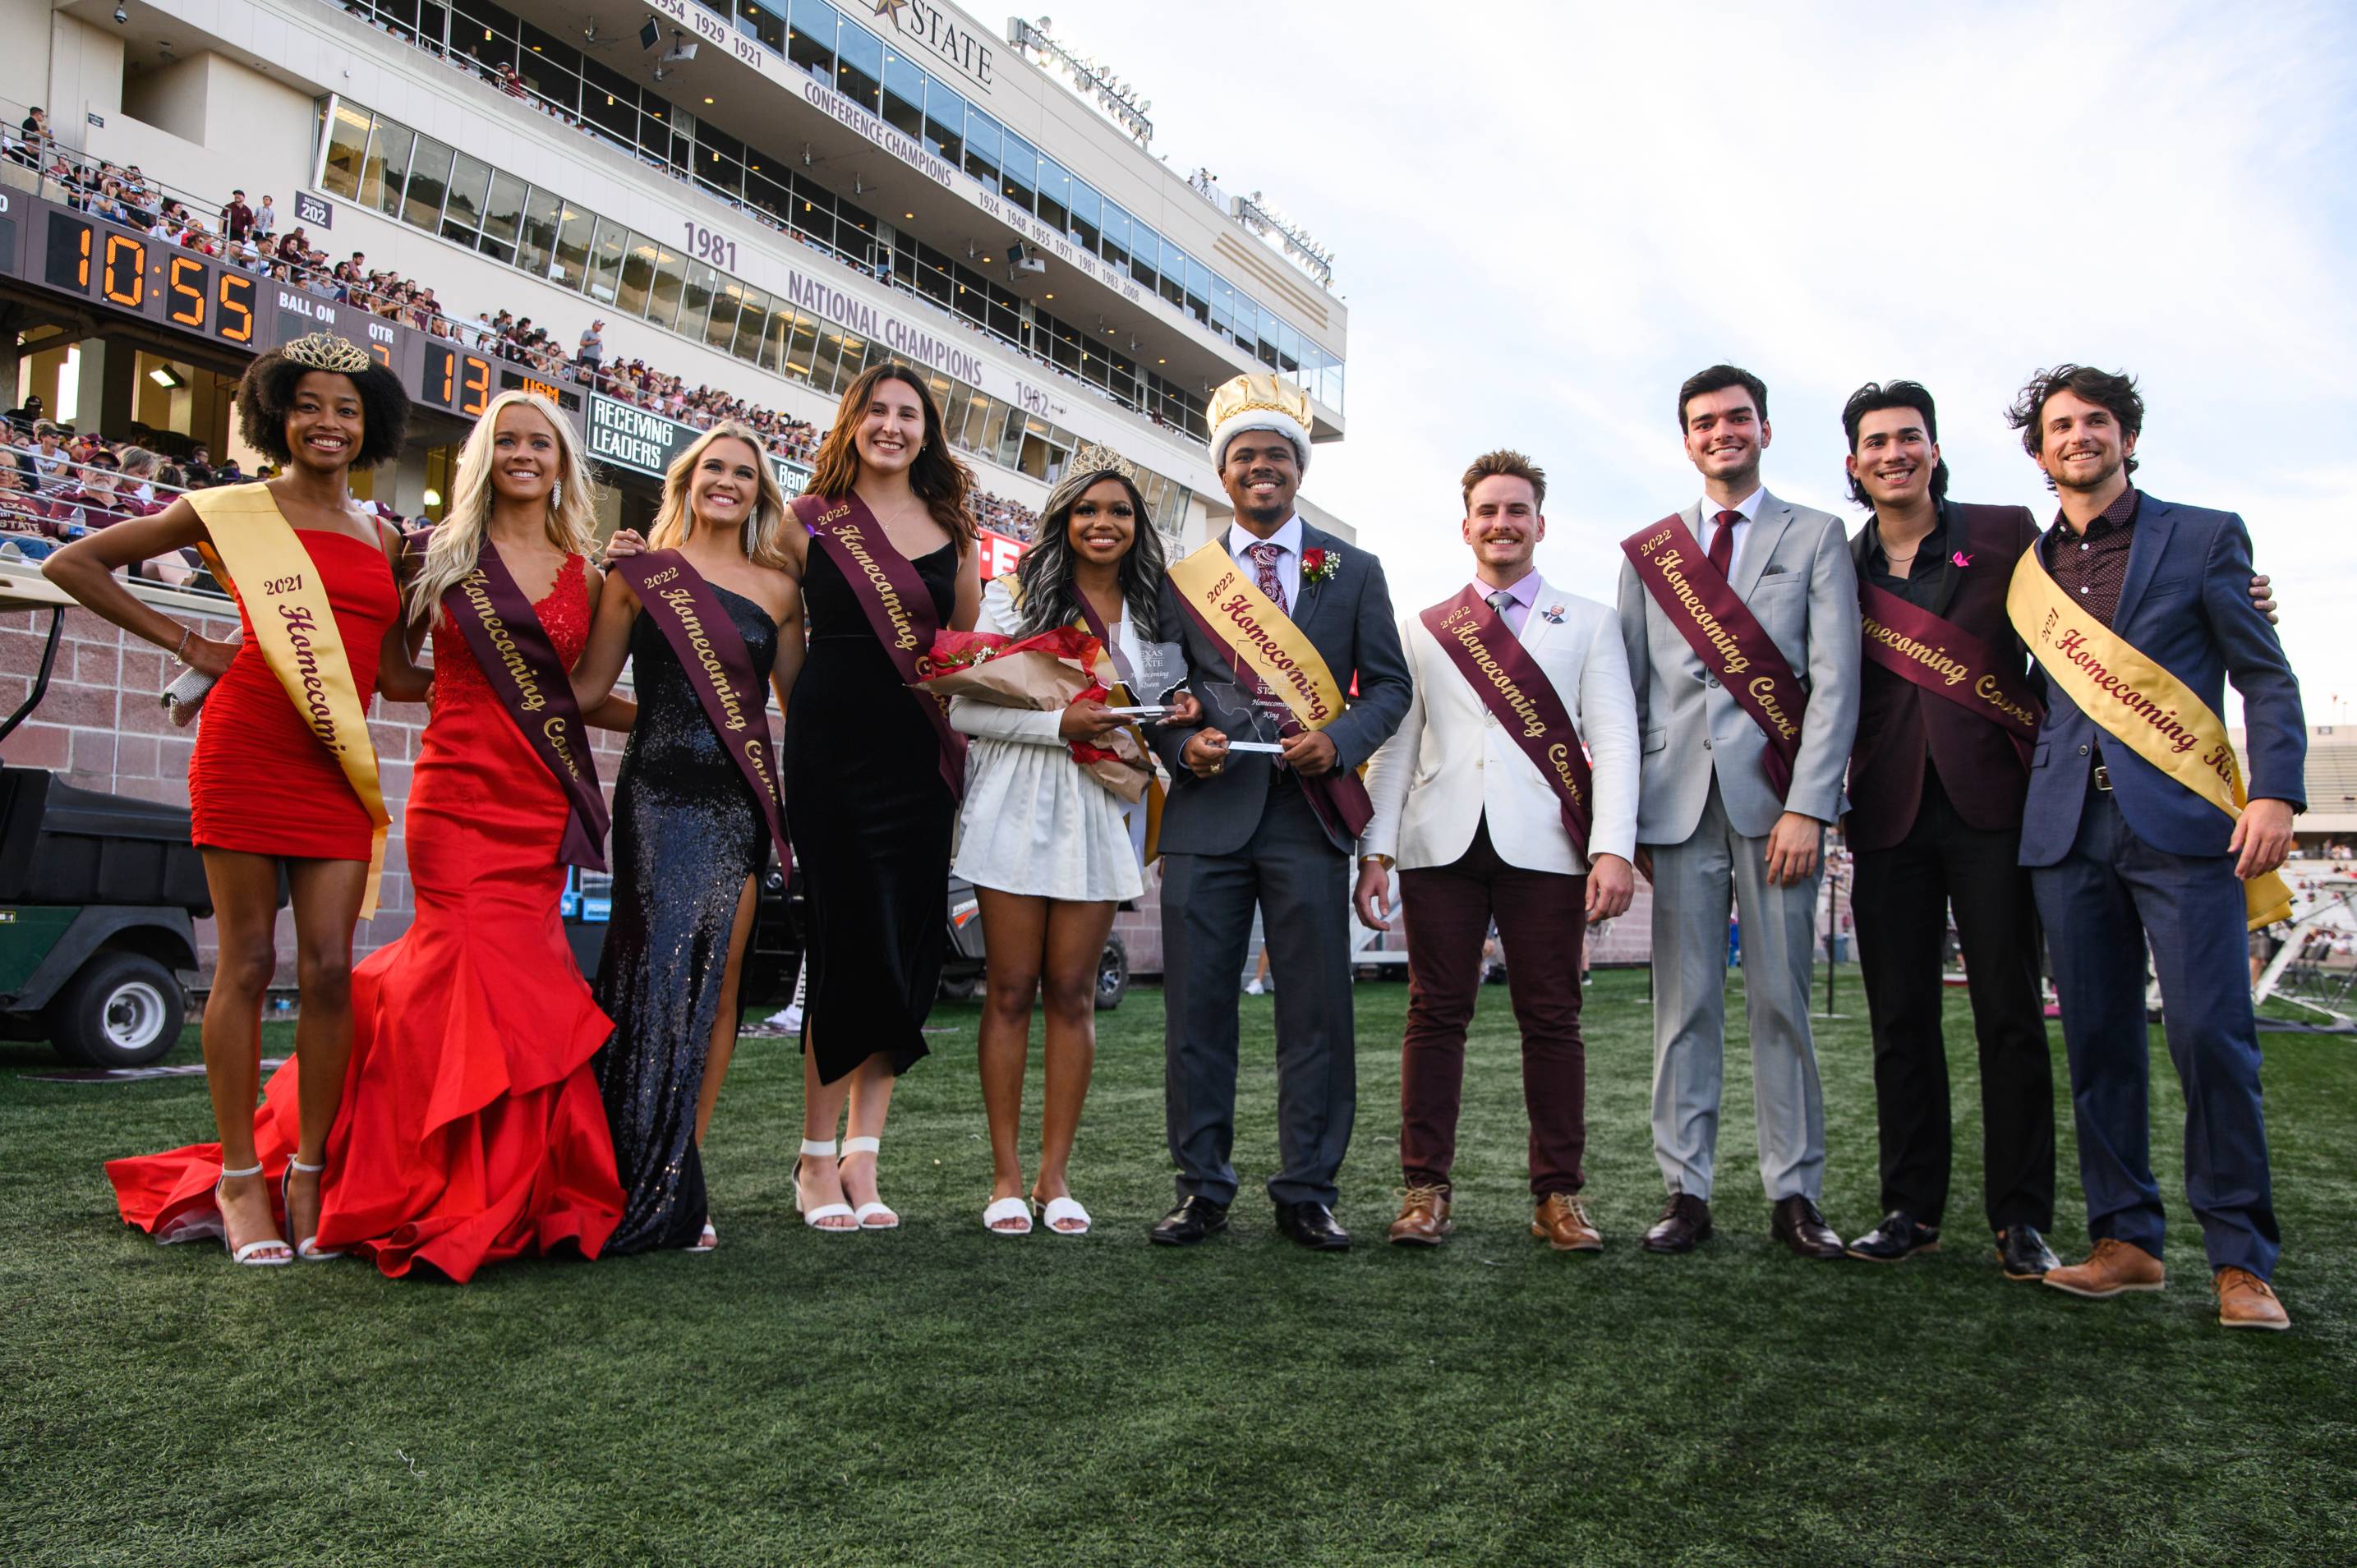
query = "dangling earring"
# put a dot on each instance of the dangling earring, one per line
(556, 496)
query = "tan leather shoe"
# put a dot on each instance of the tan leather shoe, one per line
(2114, 1266)
(1422, 1217)
(1563, 1223)
(2246, 1301)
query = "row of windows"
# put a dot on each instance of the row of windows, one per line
(857, 64)
(383, 165)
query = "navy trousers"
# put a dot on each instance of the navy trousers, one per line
(2101, 903)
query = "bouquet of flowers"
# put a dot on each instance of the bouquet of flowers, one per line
(1045, 673)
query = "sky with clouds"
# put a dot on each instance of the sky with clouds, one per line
(1545, 216)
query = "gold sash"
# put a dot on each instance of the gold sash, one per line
(2137, 703)
(1257, 634)
(295, 624)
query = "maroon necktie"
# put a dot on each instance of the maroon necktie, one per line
(1722, 543)
(1265, 556)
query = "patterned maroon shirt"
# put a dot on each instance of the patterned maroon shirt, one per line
(2092, 566)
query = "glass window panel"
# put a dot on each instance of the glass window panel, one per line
(1145, 252)
(1055, 196)
(810, 44)
(766, 195)
(609, 100)
(1087, 220)
(703, 282)
(387, 168)
(611, 244)
(1115, 248)
(669, 280)
(773, 338)
(638, 275)
(347, 151)
(542, 211)
(765, 23)
(981, 147)
(858, 65)
(503, 216)
(571, 265)
(904, 95)
(429, 182)
(462, 214)
(801, 350)
(944, 122)
(752, 321)
(1018, 170)
(551, 68)
(1224, 305)
(827, 354)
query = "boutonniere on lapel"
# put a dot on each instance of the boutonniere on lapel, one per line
(1553, 613)
(1960, 560)
(1317, 566)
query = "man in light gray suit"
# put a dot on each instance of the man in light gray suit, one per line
(1712, 823)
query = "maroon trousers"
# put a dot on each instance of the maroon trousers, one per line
(1541, 920)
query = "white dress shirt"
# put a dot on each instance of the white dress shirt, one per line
(1287, 538)
(1749, 505)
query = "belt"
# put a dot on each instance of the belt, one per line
(2101, 778)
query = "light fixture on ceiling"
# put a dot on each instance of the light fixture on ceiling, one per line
(433, 498)
(167, 378)
(708, 101)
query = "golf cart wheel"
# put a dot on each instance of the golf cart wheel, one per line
(1113, 975)
(122, 1010)
(964, 988)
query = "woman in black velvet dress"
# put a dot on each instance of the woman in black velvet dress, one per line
(868, 807)
(689, 839)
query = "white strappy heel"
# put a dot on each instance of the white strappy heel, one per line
(812, 1150)
(253, 1254)
(865, 1212)
(308, 1248)
(706, 1239)
(1007, 1209)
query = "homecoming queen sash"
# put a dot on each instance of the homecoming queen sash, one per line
(1946, 660)
(1519, 697)
(2139, 704)
(1269, 652)
(1726, 635)
(898, 607)
(513, 651)
(295, 624)
(684, 608)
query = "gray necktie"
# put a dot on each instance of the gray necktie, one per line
(1498, 603)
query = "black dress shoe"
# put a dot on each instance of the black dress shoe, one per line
(1190, 1223)
(1683, 1226)
(2024, 1252)
(1312, 1226)
(1899, 1236)
(1796, 1222)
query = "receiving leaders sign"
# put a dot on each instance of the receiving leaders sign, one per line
(645, 443)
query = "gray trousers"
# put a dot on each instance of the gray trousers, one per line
(1301, 883)
(1692, 885)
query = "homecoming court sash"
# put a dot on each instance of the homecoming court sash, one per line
(294, 626)
(898, 607)
(1149, 851)
(689, 613)
(1946, 660)
(1269, 652)
(1726, 635)
(1518, 695)
(2139, 704)
(512, 648)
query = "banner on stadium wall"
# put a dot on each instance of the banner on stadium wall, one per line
(627, 436)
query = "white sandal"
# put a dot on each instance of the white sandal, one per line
(1007, 1209)
(1067, 1207)
(251, 1254)
(867, 1211)
(707, 1240)
(811, 1217)
(307, 1248)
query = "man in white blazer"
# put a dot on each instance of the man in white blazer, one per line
(1486, 804)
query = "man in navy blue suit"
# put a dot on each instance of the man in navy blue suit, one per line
(2123, 853)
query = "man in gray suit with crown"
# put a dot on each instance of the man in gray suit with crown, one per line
(1741, 620)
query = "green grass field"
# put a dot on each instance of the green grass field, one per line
(941, 1395)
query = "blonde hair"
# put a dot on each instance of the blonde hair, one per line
(458, 543)
(764, 542)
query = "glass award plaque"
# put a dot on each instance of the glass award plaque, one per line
(1253, 717)
(1161, 667)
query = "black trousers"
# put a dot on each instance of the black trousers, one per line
(1901, 897)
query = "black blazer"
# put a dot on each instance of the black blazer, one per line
(1899, 722)
(1349, 620)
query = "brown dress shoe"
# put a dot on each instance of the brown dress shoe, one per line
(1422, 1217)
(1563, 1223)
(1796, 1222)
(2246, 1301)
(1683, 1225)
(2114, 1266)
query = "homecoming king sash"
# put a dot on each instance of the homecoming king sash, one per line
(1267, 651)
(1946, 660)
(898, 607)
(295, 624)
(2139, 704)
(1724, 635)
(1519, 697)
(504, 633)
(689, 613)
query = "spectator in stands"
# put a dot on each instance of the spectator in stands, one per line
(511, 81)
(36, 131)
(237, 217)
(265, 222)
(295, 247)
(139, 465)
(198, 467)
(24, 522)
(23, 418)
(592, 352)
(96, 502)
(51, 463)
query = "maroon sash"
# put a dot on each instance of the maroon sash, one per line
(1726, 637)
(1520, 696)
(898, 607)
(1948, 661)
(689, 613)
(513, 651)
(1098, 629)
(1337, 797)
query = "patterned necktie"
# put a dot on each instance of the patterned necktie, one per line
(1722, 543)
(1265, 555)
(1499, 602)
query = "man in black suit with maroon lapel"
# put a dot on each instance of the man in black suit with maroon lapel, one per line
(1937, 779)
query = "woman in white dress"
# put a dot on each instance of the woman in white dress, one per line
(1045, 845)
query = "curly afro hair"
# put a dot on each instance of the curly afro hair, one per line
(265, 394)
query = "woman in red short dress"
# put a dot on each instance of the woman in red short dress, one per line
(266, 795)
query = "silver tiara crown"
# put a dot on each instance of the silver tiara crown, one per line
(326, 351)
(1093, 458)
